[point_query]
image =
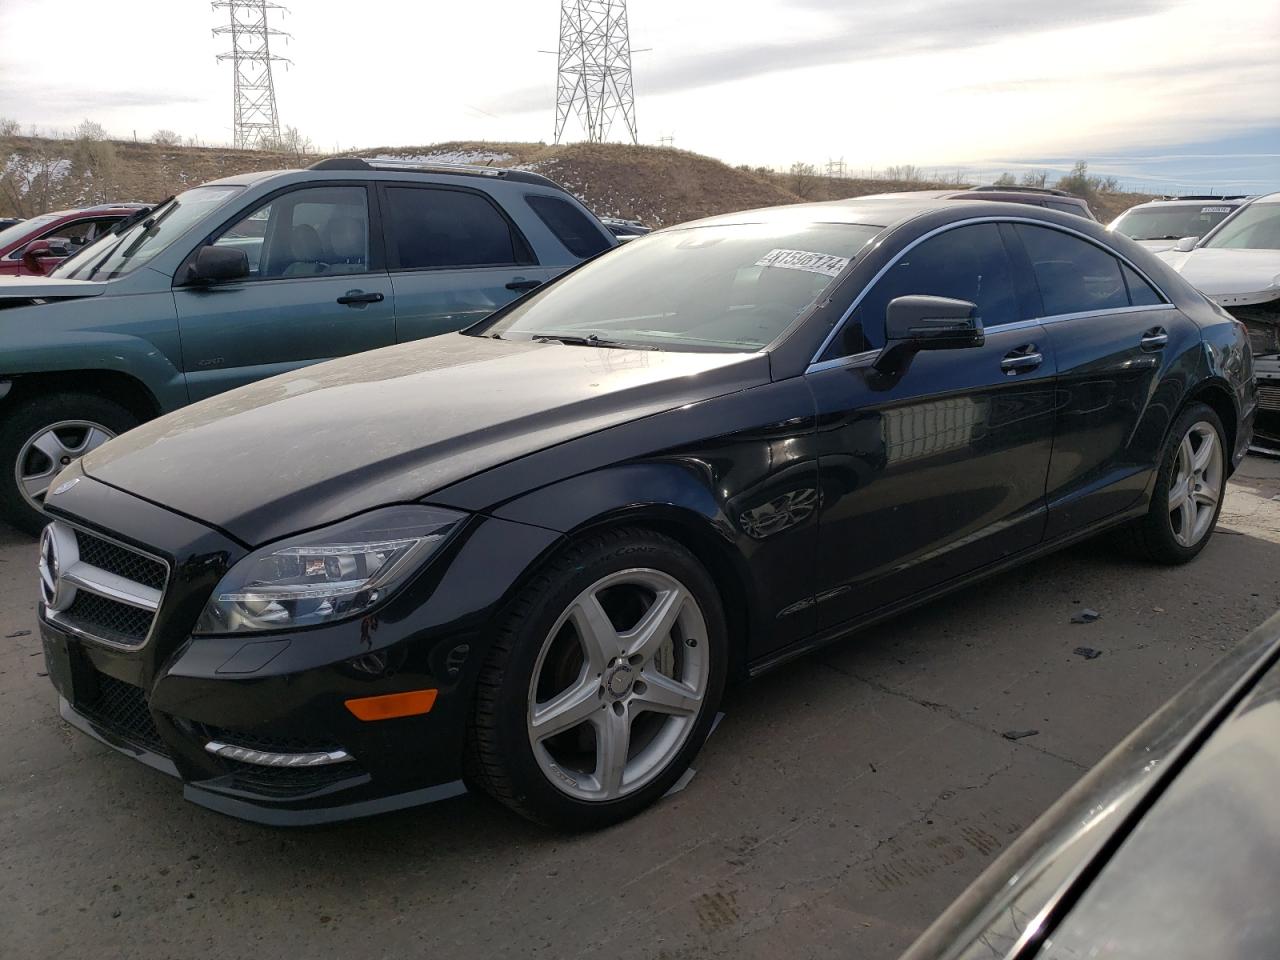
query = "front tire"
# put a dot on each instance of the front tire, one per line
(39, 438)
(602, 682)
(1189, 489)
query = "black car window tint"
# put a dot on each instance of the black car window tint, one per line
(1064, 207)
(447, 228)
(1141, 293)
(1074, 276)
(571, 226)
(968, 263)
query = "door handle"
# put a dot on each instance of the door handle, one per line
(1154, 339)
(523, 284)
(1022, 360)
(358, 298)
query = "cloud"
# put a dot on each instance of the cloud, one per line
(860, 32)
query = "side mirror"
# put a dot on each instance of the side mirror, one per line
(39, 250)
(919, 323)
(218, 265)
(1186, 244)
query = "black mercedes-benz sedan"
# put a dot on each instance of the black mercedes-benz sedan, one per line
(1169, 848)
(528, 557)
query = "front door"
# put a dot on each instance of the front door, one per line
(454, 256)
(315, 291)
(938, 470)
(1114, 337)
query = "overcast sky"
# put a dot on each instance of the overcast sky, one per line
(926, 82)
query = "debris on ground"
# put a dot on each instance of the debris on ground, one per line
(1019, 734)
(1087, 652)
(1086, 616)
(17, 633)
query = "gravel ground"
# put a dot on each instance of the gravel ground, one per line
(842, 803)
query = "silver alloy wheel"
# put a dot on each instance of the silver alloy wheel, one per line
(50, 450)
(638, 640)
(1196, 485)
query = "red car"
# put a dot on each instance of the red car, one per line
(34, 247)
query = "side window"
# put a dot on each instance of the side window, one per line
(315, 231)
(429, 228)
(76, 234)
(1074, 275)
(571, 226)
(1141, 293)
(967, 263)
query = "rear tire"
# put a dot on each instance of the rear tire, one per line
(1189, 490)
(42, 436)
(580, 722)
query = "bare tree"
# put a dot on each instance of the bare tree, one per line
(166, 138)
(1006, 180)
(906, 173)
(291, 142)
(1033, 178)
(802, 179)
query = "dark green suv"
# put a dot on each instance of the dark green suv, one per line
(250, 276)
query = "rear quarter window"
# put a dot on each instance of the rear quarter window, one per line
(571, 226)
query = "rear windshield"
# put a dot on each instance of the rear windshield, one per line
(1171, 223)
(117, 254)
(729, 287)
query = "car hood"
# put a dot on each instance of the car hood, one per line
(394, 425)
(1156, 246)
(1230, 276)
(48, 288)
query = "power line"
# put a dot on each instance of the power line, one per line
(594, 69)
(254, 92)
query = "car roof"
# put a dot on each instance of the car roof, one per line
(381, 168)
(885, 210)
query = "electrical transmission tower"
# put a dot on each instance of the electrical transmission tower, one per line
(251, 58)
(594, 81)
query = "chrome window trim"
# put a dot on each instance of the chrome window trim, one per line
(1053, 318)
(139, 596)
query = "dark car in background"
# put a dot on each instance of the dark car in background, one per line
(625, 229)
(528, 557)
(1169, 848)
(7, 222)
(254, 275)
(34, 247)
(1160, 224)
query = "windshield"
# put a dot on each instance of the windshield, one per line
(116, 254)
(24, 227)
(1256, 227)
(1171, 223)
(732, 287)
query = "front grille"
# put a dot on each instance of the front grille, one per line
(122, 709)
(121, 561)
(289, 782)
(108, 619)
(1269, 398)
(1262, 320)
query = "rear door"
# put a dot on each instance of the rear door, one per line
(316, 290)
(454, 256)
(939, 470)
(1118, 344)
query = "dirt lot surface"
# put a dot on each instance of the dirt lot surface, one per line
(842, 803)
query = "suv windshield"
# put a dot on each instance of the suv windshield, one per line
(731, 287)
(1256, 227)
(116, 254)
(1171, 223)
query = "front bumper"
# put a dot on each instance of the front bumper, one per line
(163, 701)
(1266, 431)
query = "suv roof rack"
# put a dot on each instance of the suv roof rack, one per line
(428, 166)
(1018, 188)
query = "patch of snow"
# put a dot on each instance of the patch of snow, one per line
(479, 158)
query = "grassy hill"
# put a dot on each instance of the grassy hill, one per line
(658, 186)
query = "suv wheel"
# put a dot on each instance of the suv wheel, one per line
(39, 438)
(601, 684)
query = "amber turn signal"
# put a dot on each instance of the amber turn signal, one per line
(393, 705)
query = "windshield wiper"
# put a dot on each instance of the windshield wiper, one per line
(593, 340)
(139, 214)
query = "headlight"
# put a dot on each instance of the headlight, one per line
(327, 574)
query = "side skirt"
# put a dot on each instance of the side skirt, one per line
(843, 630)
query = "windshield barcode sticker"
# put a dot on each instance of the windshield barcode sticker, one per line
(823, 263)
